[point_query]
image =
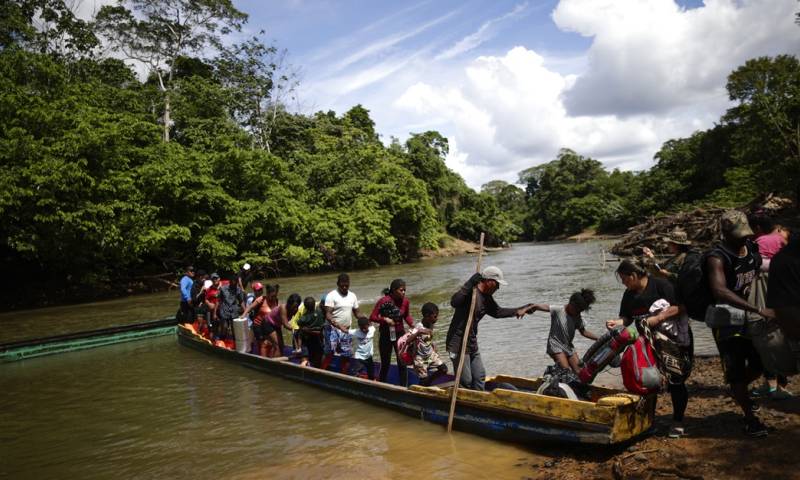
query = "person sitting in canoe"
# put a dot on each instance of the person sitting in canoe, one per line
(340, 306)
(473, 375)
(563, 323)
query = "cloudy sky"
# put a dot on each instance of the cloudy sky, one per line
(511, 82)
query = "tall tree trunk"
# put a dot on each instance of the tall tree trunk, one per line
(166, 116)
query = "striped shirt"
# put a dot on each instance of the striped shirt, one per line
(562, 331)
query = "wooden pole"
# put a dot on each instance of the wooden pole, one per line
(464, 343)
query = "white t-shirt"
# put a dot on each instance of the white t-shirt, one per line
(342, 307)
(363, 342)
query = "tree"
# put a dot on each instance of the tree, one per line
(766, 122)
(45, 26)
(260, 80)
(158, 32)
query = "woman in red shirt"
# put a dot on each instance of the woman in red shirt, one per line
(389, 313)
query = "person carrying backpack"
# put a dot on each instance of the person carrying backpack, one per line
(679, 246)
(653, 300)
(731, 268)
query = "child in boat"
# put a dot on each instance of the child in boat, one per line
(563, 323)
(427, 364)
(310, 326)
(362, 340)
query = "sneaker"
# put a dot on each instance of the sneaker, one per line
(754, 428)
(780, 394)
(676, 432)
(761, 391)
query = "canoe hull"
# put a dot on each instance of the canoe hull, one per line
(483, 420)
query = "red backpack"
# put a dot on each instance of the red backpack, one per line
(640, 373)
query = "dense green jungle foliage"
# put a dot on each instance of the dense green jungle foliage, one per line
(108, 179)
(94, 194)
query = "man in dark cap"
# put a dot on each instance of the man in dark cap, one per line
(732, 266)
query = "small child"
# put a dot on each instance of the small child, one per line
(427, 364)
(563, 323)
(294, 324)
(362, 337)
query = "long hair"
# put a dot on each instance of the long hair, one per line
(631, 266)
(396, 283)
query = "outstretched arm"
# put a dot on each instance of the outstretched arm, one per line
(588, 334)
(538, 307)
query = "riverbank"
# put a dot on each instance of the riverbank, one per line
(714, 447)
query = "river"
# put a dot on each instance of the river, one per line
(154, 409)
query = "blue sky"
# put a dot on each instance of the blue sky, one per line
(511, 82)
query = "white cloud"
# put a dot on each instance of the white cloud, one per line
(654, 71)
(653, 56)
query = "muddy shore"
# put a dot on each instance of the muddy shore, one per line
(714, 447)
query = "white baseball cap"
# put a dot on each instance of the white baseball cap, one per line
(494, 273)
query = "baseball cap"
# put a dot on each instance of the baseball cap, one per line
(733, 224)
(257, 286)
(246, 267)
(215, 276)
(494, 273)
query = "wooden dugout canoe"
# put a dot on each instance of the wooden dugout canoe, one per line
(517, 416)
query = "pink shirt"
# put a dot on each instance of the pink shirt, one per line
(769, 244)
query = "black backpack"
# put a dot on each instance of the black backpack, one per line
(692, 285)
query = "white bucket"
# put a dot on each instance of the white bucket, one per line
(242, 335)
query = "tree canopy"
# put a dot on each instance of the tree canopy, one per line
(110, 177)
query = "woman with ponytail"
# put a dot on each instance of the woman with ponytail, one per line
(389, 313)
(653, 301)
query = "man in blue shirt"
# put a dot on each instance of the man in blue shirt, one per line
(186, 311)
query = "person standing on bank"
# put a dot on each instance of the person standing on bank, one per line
(391, 327)
(473, 375)
(186, 311)
(731, 268)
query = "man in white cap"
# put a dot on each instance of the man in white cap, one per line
(488, 282)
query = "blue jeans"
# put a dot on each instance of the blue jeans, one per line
(473, 376)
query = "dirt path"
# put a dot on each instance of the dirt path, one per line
(715, 446)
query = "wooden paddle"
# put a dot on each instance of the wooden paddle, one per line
(464, 343)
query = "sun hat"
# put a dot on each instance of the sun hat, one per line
(678, 237)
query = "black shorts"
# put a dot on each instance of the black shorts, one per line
(737, 355)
